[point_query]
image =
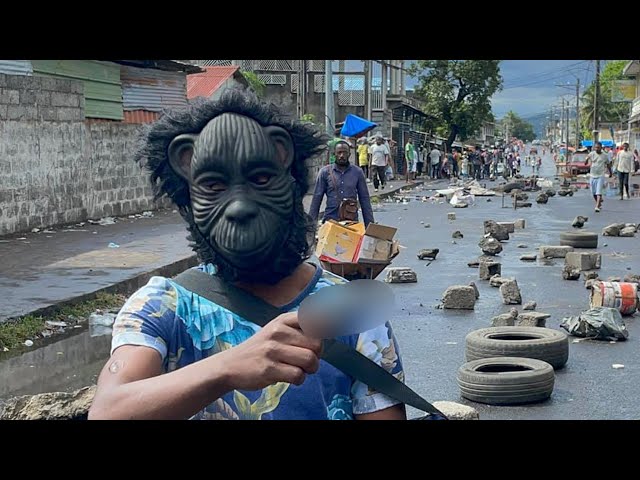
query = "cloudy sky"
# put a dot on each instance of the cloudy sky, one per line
(529, 86)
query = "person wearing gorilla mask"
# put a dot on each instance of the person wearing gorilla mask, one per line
(236, 171)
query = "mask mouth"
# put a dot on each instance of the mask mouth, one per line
(250, 255)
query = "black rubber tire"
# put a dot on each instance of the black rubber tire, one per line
(579, 239)
(546, 344)
(506, 380)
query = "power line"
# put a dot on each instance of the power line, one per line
(547, 72)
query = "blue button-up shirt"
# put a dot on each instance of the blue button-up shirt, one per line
(350, 183)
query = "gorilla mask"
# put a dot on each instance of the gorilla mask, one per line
(239, 182)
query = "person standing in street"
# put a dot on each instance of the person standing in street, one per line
(341, 182)
(410, 159)
(380, 156)
(363, 157)
(435, 162)
(624, 166)
(599, 160)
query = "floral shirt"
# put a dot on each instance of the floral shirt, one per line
(185, 328)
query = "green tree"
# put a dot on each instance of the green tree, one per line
(608, 111)
(257, 85)
(457, 94)
(518, 127)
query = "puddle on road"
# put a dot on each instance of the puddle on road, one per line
(60, 365)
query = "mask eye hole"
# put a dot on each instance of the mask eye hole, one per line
(261, 179)
(214, 186)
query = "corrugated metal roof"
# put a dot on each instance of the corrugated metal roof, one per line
(169, 65)
(102, 89)
(140, 116)
(16, 67)
(204, 84)
(152, 90)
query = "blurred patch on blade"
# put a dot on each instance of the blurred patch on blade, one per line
(346, 309)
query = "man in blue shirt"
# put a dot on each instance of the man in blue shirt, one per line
(341, 181)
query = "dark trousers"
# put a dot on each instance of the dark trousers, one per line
(419, 168)
(623, 178)
(365, 170)
(477, 171)
(379, 176)
(435, 170)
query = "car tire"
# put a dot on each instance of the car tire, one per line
(506, 380)
(546, 344)
(579, 239)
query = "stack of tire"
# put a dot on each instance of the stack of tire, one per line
(512, 365)
(579, 239)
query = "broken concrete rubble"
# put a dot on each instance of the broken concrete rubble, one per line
(510, 293)
(583, 261)
(552, 251)
(490, 246)
(472, 284)
(579, 221)
(542, 198)
(497, 280)
(459, 297)
(496, 230)
(510, 226)
(488, 269)
(430, 253)
(529, 257)
(570, 273)
(531, 305)
(532, 319)
(401, 275)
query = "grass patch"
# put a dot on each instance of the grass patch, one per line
(14, 333)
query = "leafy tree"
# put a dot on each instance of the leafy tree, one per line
(608, 111)
(257, 85)
(457, 94)
(518, 127)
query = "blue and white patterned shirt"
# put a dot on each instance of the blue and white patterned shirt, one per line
(185, 328)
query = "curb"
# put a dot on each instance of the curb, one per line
(127, 286)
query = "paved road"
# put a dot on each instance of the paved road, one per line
(588, 388)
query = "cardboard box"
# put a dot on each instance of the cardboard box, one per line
(338, 243)
(377, 244)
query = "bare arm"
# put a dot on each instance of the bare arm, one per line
(131, 385)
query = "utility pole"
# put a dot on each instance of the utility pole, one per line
(328, 98)
(302, 88)
(367, 89)
(577, 113)
(596, 98)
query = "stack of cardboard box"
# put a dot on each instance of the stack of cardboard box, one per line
(350, 250)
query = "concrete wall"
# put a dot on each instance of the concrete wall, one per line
(56, 168)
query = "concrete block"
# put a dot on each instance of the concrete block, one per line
(532, 319)
(459, 297)
(510, 293)
(510, 226)
(583, 261)
(489, 269)
(519, 223)
(548, 251)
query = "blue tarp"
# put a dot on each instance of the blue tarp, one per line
(605, 143)
(355, 126)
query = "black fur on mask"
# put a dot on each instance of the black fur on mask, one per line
(152, 153)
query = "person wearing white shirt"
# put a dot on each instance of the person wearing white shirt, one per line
(599, 160)
(624, 166)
